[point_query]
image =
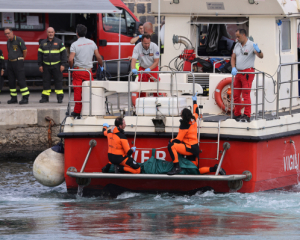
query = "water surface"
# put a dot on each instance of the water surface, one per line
(29, 210)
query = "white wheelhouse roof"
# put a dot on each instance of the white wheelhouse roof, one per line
(58, 6)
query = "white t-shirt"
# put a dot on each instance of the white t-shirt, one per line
(146, 57)
(84, 51)
(245, 55)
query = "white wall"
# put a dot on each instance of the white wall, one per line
(178, 26)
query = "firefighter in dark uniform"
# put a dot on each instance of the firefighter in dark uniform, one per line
(52, 56)
(15, 67)
(2, 67)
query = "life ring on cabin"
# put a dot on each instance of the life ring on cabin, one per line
(223, 94)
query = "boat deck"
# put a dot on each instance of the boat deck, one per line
(268, 117)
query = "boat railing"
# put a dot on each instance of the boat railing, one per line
(159, 72)
(256, 89)
(214, 64)
(279, 83)
(118, 72)
(70, 86)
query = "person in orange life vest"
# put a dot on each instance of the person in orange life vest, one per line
(119, 152)
(147, 53)
(186, 142)
(242, 60)
(82, 51)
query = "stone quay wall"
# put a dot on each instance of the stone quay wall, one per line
(24, 132)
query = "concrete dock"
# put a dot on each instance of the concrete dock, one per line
(24, 129)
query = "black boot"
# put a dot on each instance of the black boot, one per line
(24, 99)
(176, 169)
(60, 98)
(75, 115)
(106, 168)
(214, 169)
(44, 99)
(13, 99)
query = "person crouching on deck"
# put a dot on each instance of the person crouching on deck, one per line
(119, 152)
(186, 142)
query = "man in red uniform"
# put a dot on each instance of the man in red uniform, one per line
(119, 152)
(82, 52)
(242, 60)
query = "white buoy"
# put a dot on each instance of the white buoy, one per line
(48, 168)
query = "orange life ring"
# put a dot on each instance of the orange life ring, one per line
(218, 93)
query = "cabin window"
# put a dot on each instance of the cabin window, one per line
(111, 22)
(9, 20)
(31, 21)
(286, 35)
(23, 21)
(130, 24)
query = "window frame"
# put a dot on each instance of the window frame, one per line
(126, 22)
(35, 30)
(122, 33)
(290, 36)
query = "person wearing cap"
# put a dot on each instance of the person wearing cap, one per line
(242, 60)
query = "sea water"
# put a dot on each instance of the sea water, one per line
(29, 210)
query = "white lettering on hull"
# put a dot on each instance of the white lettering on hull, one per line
(291, 162)
(145, 155)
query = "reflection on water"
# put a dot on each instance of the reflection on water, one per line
(30, 210)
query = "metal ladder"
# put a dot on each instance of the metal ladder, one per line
(217, 142)
(226, 146)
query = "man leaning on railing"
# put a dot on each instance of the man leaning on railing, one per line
(147, 53)
(243, 61)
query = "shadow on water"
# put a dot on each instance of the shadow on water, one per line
(30, 210)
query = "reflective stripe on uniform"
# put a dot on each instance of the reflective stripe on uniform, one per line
(24, 91)
(46, 92)
(51, 63)
(1, 57)
(52, 51)
(59, 91)
(13, 92)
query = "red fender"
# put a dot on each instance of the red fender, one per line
(218, 91)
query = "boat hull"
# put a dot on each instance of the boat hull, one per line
(273, 164)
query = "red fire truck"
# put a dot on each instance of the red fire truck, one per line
(103, 28)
